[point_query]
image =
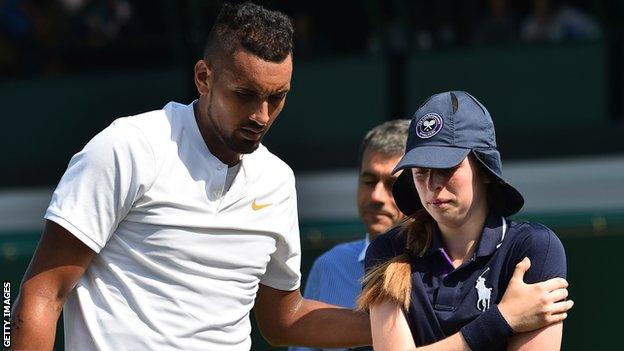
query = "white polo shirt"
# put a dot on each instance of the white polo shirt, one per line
(179, 259)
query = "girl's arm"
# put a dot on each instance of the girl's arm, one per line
(548, 338)
(546, 250)
(389, 328)
(525, 307)
(391, 333)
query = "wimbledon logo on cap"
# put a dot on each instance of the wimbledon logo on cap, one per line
(429, 125)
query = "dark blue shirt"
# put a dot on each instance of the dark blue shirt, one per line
(444, 298)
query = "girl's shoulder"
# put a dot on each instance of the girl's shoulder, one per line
(540, 244)
(385, 247)
(530, 233)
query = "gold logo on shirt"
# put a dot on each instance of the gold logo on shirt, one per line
(256, 207)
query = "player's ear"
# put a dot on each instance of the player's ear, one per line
(203, 77)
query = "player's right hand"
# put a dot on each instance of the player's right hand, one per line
(528, 307)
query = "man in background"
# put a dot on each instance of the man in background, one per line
(335, 275)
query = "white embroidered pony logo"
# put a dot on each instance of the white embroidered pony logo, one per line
(483, 303)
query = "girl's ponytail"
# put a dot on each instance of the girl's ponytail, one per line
(393, 279)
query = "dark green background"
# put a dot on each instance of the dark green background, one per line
(541, 93)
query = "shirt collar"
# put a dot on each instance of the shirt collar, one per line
(238, 187)
(364, 248)
(490, 239)
(189, 112)
(493, 234)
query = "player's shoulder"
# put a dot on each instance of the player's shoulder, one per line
(155, 125)
(160, 130)
(151, 127)
(121, 137)
(264, 161)
(262, 154)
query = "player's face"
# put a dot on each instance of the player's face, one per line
(374, 195)
(242, 99)
(452, 196)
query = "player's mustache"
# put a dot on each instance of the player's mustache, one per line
(255, 127)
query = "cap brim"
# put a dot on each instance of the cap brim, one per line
(432, 157)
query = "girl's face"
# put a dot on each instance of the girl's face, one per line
(452, 195)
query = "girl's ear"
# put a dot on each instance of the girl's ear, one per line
(486, 179)
(485, 176)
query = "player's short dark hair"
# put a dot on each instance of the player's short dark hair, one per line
(387, 138)
(264, 33)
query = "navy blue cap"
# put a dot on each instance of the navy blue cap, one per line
(443, 131)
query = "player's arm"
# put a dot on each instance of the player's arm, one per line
(525, 307)
(101, 183)
(58, 263)
(286, 318)
(312, 291)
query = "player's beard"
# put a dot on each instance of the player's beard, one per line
(233, 142)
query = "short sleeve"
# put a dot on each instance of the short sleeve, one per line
(101, 184)
(546, 252)
(283, 270)
(382, 249)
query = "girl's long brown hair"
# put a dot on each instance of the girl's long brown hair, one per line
(393, 279)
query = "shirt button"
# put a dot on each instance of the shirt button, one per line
(220, 167)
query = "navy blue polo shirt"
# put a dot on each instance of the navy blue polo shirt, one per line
(445, 298)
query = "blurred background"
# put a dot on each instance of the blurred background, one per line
(550, 72)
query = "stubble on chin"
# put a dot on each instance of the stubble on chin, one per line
(247, 149)
(233, 142)
(241, 145)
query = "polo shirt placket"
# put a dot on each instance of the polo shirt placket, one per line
(450, 290)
